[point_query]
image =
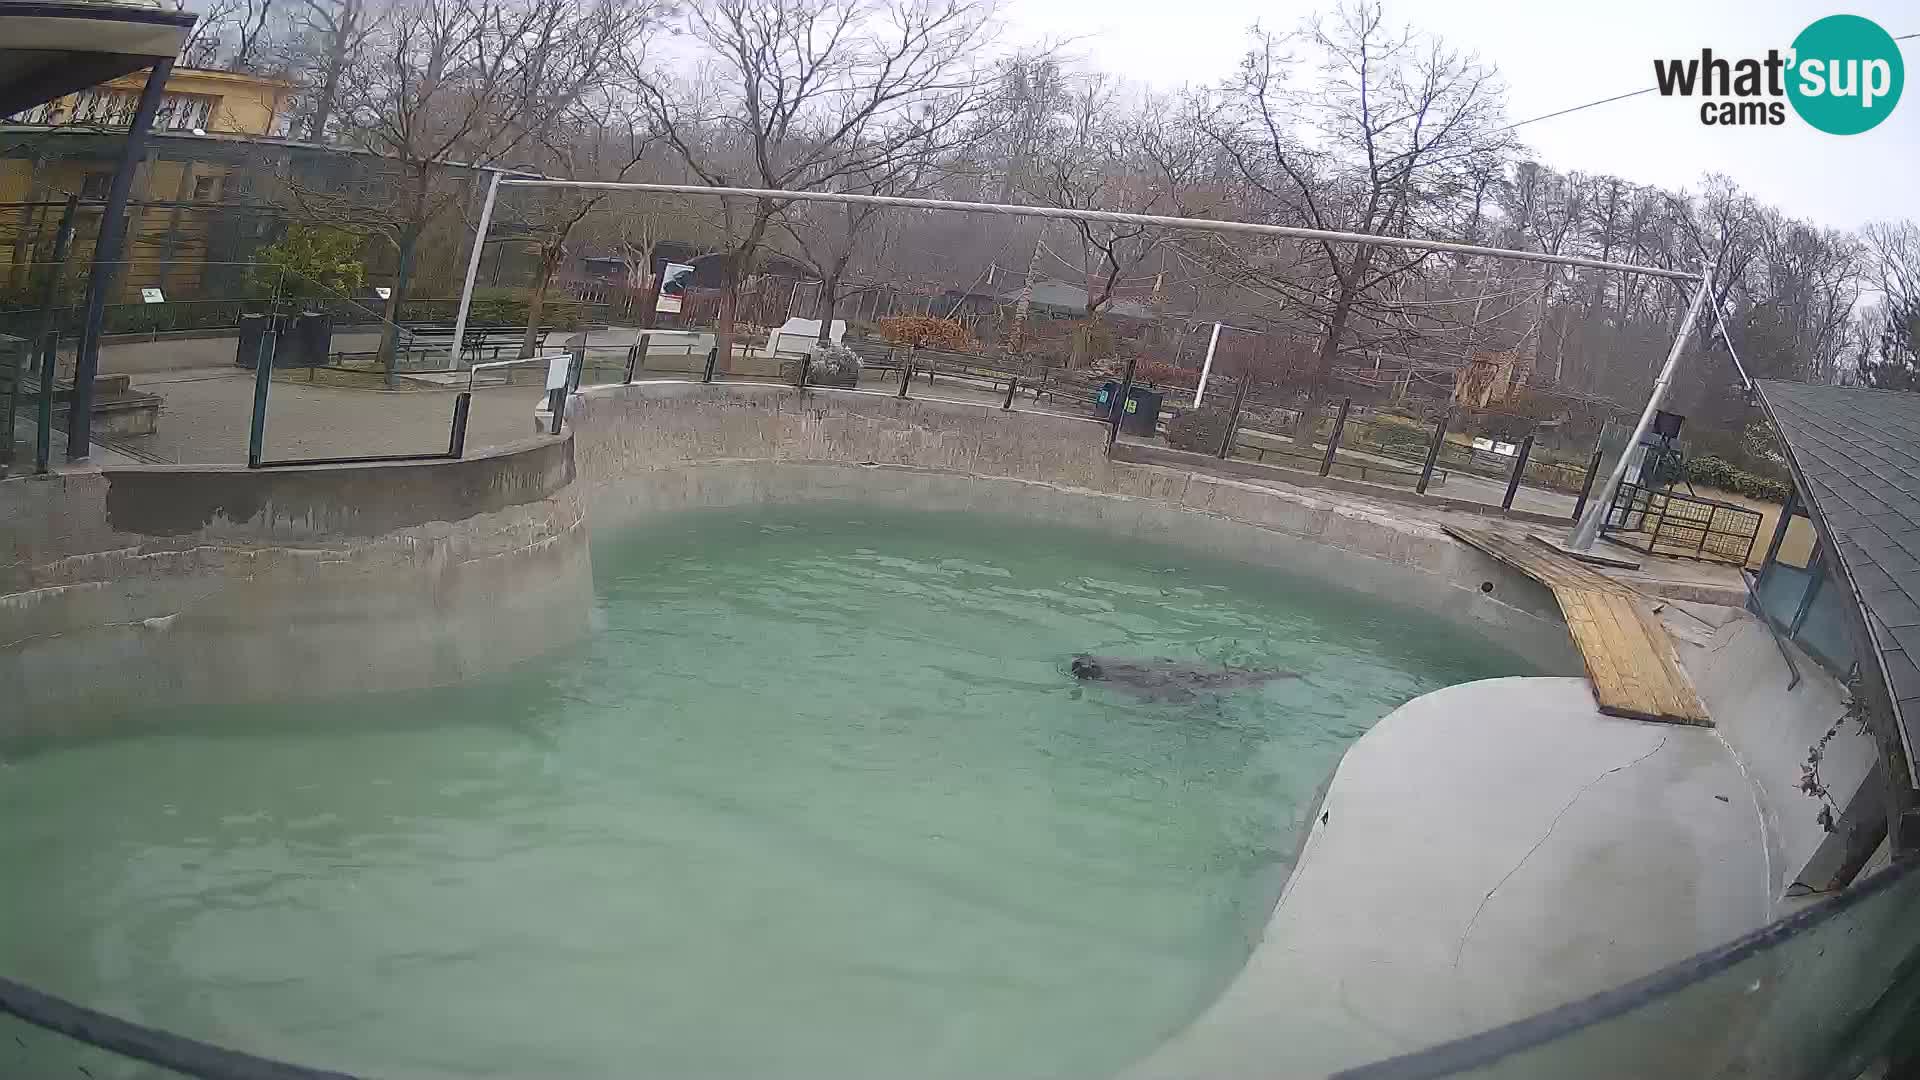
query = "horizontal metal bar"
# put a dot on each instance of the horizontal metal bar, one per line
(1196, 224)
(509, 363)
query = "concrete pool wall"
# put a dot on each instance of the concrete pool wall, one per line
(187, 584)
(174, 584)
(662, 446)
(1525, 812)
(1484, 853)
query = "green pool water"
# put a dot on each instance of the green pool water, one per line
(816, 798)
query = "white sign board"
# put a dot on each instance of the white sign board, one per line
(557, 370)
(673, 286)
(383, 292)
(152, 296)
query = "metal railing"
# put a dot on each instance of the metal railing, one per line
(566, 364)
(563, 377)
(1687, 526)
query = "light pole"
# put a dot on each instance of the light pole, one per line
(1588, 528)
(1206, 366)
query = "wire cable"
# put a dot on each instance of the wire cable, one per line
(1576, 108)
(1614, 98)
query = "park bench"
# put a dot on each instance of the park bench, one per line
(425, 346)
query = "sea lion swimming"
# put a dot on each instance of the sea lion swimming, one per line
(1168, 680)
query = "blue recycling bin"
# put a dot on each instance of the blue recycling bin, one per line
(1140, 415)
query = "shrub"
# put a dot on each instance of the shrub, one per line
(1723, 474)
(1158, 373)
(1397, 436)
(835, 365)
(1199, 430)
(310, 261)
(925, 331)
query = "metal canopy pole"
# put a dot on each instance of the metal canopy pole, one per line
(473, 268)
(107, 249)
(1067, 214)
(1588, 529)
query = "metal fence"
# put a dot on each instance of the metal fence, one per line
(1656, 522)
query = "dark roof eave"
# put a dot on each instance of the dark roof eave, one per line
(1876, 655)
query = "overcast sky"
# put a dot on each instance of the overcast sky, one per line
(1554, 55)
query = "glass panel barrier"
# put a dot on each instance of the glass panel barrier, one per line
(32, 1052)
(1825, 993)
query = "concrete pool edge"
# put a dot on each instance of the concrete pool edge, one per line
(180, 584)
(649, 448)
(666, 446)
(1597, 851)
(222, 592)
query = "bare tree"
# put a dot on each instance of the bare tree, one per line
(601, 137)
(812, 94)
(327, 43)
(1385, 141)
(826, 237)
(1893, 330)
(207, 42)
(231, 34)
(251, 33)
(456, 81)
(1144, 158)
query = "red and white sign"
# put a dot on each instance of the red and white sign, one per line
(673, 286)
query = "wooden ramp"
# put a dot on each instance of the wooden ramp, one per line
(1630, 659)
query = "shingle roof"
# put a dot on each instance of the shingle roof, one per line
(1856, 455)
(1060, 294)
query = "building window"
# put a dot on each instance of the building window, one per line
(203, 188)
(1801, 594)
(102, 107)
(94, 185)
(184, 112)
(39, 114)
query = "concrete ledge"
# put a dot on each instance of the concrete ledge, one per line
(1772, 729)
(197, 585)
(1187, 459)
(1486, 852)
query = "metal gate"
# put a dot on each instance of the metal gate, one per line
(1668, 523)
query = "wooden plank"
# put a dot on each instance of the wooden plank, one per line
(1591, 629)
(1536, 560)
(1642, 683)
(1628, 655)
(1687, 703)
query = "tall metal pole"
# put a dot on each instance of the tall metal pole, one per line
(1119, 411)
(47, 341)
(106, 258)
(1588, 529)
(1206, 367)
(473, 268)
(1064, 213)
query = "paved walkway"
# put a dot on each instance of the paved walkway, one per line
(207, 412)
(208, 403)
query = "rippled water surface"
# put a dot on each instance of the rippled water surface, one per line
(818, 798)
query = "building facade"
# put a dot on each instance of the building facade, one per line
(209, 128)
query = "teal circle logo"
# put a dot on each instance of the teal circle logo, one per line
(1847, 74)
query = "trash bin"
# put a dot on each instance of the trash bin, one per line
(308, 342)
(1141, 414)
(247, 352)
